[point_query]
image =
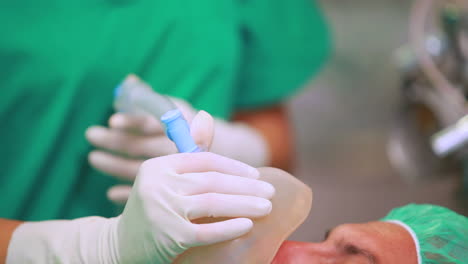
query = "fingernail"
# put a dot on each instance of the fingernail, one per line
(95, 132)
(254, 173)
(268, 190)
(264, 206)
(95, 155)
(117, 120)
(245, 222)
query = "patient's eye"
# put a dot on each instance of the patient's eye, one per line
(352, 249)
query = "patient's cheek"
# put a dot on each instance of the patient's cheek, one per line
(292, 252)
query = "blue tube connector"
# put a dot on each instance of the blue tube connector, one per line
(178, 130)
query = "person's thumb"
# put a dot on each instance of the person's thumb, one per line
(202, 130)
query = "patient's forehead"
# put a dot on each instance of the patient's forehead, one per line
(386, 240)
(376, 232)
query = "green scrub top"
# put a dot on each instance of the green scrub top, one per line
(60, 61)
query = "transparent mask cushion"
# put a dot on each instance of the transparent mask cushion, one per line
(291, 206)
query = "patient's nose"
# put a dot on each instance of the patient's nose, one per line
(293, 252)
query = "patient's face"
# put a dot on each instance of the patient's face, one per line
(368, 243)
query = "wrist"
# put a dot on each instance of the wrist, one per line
(84, 240)
(241, 142)
(107, 250)
(6, 231)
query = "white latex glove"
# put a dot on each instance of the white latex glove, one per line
(131, 139)
(155, 226)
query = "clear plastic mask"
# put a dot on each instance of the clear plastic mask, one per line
(291, 206)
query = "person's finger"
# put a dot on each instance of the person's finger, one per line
(117, 166)
(215, 182)
(119, 194)
(206, 234)
(202, 162)
(202, 130)
(136, 146)
(225, 205)
(187, 110)
(139, 124)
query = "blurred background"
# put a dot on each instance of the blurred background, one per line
(344, 117)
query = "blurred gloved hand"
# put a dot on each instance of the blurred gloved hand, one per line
(155, 225)
(131, 139)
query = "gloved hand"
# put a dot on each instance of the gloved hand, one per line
(155, 226)
(131, 139)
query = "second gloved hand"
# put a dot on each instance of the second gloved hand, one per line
(130, 139)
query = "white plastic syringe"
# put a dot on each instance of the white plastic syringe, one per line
(135, 96)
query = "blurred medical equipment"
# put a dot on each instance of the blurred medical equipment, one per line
(134, 96)
(434, 71)
(451, 139)
(291, 206)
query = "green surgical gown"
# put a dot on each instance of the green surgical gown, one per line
(61, 59)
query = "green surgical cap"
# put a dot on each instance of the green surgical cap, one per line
(440, 235)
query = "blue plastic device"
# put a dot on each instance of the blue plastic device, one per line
(178, 130)
(134, 96)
